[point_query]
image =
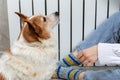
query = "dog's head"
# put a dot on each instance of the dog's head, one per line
(37, 27)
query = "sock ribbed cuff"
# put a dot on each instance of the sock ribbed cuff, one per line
(73, 74)
(71, 60)
(68, 73)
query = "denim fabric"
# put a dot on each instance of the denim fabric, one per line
(102, 75)
(107, 32)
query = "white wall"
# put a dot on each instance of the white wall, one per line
(75, 16)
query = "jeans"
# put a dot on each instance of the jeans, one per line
(107, 32)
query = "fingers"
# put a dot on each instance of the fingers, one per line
(89, 64)
(82, 57)
(86, 61)
(79, 55)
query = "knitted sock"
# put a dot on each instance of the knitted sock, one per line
(69, 73)
(69, 60)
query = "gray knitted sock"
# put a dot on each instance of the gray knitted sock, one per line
(69, 73)
(69, 60)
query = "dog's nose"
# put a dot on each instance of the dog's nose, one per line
(57, 13)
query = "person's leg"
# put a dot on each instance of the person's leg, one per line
(107, 32)
(102, 75)
(69, 73)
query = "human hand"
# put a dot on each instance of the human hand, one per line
(88, 56)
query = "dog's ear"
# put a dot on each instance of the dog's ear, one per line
(22, 16)
(37, 30)
(33, 27)
(29, 33)
(30, 24)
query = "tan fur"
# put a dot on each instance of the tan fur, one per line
(2, 77)
(33, 55)
(38, 30)
(29, 35)
(8, 51)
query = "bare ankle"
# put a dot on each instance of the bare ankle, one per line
(80, 77)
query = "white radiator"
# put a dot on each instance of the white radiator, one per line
(77, 18)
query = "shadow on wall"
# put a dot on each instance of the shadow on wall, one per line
(4, 29)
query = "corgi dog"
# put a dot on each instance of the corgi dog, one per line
(33, 55)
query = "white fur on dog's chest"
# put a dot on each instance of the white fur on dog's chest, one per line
(29, 63)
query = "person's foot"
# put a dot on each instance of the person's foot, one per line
(80, 77)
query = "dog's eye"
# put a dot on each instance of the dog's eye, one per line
(44, 19)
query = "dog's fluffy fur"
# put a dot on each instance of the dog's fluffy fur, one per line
(31, 58)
